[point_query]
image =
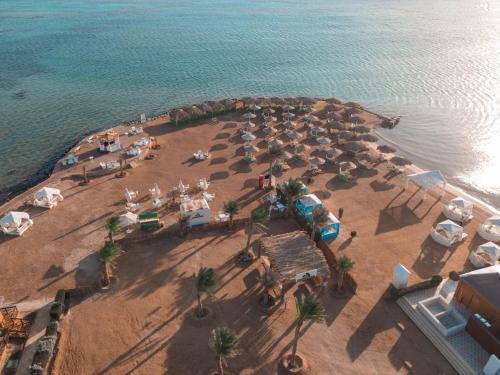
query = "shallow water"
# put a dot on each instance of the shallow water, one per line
(71, 67)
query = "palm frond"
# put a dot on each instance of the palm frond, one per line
(112, 224)
(345, 263)
(231, 207)
(309, 308)
(205, 280)
(258, 216)
(109, 252)
(223, 342)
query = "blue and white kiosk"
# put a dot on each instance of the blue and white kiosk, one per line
(307, 203)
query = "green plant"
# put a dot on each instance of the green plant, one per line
(277, 166)
(273, 151)
(224, 343)
(269, 281)
(231, 208)
(205, 284)
(344, 265)
(319, 217)
(256, 221)
(109, 252)
(293, 190)
(249, 158)
(56, 311)
(345, 176)
(112, 226)
(308, 309)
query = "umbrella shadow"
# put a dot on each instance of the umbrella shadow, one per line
(378, 186)
(216, 161)
(218, 147)
(219, 175)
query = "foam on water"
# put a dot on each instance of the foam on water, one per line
(71, 67)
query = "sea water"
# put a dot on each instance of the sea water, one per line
(72, 67)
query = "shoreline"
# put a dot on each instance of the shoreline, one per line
(50, 166)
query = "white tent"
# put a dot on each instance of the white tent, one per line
(487, 254)
(15, 223)
(196, 212)
(428, 180)
(128, 219)
(459, 209)
(448, 233)
(47, 197)
(490, 229)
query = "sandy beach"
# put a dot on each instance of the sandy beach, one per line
(143, 325)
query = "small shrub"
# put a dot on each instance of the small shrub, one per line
(454, 276)
(56, 311)
(60, 296)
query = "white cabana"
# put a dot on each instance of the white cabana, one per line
(487, 254)
(428, 180)
(490, 229)
(128, 219)
(459, 210)
(155, 191)
(448, 233)
(196, 212)
(15, 223)
(47, 197)
(130, 196)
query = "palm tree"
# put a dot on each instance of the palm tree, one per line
(292, 190)
(109, 253)
(269, 281)
(224, 343)
(112, 226)
(308, 309)
(231, 208)
(257, 221)
(274, 151)
(345, 265)
(319, 217)
(205, 284)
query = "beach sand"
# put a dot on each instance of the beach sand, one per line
(143, 326)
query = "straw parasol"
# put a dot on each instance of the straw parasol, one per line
(345, 135)
(289, 124)
(269, 130)
(275, 144)
(330, 107)
(307, 100)
(268, 111)
(400, 161)
(293, 135)
(288, 107)
(357, 119)
(368, 138)
(248, 137)
(285, 155)
(195, 111)
(335, 125)
(386, 149)
(317, 130)
(352, 111)
(216, 106)
(323, 140)
(315, 160)
(206, 107)
(288, 115)
(179, 114)
(370, 157)
(333, 153)
(347, 166)
(310, 117)
(333, 117)
(250, 148)
(355, 146)
(300, 148)
(248, 115)
(254, 107)
(248, 125)
(361, 129)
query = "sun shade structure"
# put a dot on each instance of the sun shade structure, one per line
(487, 254)
(315, 160)
(293, 135)
(269, 130)
(254, 107)
(109, 141)
(323, 140)
(428, 180)
(249, 116)
(15, 223)
(288, 115)
(128, 219)
(332, 153)
(248, 125)
(311, 118)
(346, 166)
(361, 129)
(386, 149)
(248, 137)
(301, 148)
(196, 212)
(459, 209)
(47, 197)
(490, 229)
(447, 233)
(294, 256)
(368, 138)
(251, 149)
(289, 124)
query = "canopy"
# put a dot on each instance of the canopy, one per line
(448, 233)
(493, 220)
(427, 180)
(485, 254)
(289, 124)
(449, 227)
(293, 134)
(47, 193)
(14, 218)
(248, 137)
(128, 219)
(248, 115)
(323, 140)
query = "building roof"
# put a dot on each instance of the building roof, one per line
(294, 253)
(107, 136)
(485, 282)
(195, 205)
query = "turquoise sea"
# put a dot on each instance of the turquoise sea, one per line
(71, 67)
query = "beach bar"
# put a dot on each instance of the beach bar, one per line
(307, 203)
(109, 142)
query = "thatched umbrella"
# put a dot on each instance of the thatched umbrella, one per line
(293, 135)
(315, 160)
(355, 146)
(361, 129)
(250, 148)
(179, 115)
(335, 125)
(216, 106)
(248, 125)
(368, 138)
(323, 140)
(333, 153)
(317, 130)
(278, 101)
(268, 111)
(228, 103)
(248, 115)
(206, 107)
(353, 104)
(307, 100)
(332, 116)
(269, 130)
(352, 111)
(310, 118)
(330, 107)
(300, 148)
(254, 107)
(248, 137)
(357, 119)
(400, 161)
(386, 149)
(195, 111)
(345, 135)
(289, 124)
(347, 166)
(288, 115)
(288, 108)
(269, 119)
(370, 157)
(285, 155)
